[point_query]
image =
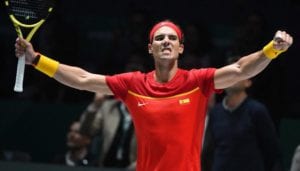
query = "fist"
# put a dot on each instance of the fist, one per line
(24, 48)
(282, 40)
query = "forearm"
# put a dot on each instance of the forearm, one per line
(252, 64)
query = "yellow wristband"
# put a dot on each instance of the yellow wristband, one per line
(47, 65)
(270, 52)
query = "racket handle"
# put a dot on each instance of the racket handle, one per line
(20, 74)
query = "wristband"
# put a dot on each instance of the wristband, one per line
(46, 65)
(270, 52)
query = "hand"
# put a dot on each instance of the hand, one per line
(23, 47)
(282, 40)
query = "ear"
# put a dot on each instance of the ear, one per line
(181, 48)
(149, 48)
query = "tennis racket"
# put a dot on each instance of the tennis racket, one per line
(27, 16)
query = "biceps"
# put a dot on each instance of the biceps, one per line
(80, 79)
(227, 76)
(96, 83)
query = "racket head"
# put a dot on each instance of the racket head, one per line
(29, 12)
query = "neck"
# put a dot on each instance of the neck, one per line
(164, 72)
(233, 100)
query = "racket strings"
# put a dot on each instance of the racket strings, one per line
(29, 11)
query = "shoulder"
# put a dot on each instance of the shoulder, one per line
(257, 109)
(255, 104)
(123, 79)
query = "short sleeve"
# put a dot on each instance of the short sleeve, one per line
(205, 79)
(119, 84)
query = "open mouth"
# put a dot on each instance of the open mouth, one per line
(166, 50)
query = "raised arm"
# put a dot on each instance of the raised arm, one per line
(80, 79)
(71, 76)
(250, 65)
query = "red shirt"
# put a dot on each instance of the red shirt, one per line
(168, 117)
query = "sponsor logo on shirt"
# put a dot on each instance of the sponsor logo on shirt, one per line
(140, 104)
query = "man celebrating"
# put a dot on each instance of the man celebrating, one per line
(167, 105)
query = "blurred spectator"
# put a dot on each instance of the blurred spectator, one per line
(114, 133)
(78, 149)
(296, 160)
(108, 121)
(205, 145)
(240, 134)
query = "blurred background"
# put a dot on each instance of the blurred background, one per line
(103, 36)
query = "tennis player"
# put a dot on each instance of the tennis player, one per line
(168, 105)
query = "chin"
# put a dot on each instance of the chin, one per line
(167, 56)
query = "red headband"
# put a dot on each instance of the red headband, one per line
(168, 24)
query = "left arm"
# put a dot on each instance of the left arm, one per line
(250, 65)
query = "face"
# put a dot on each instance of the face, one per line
(74, 138)
(165, 44)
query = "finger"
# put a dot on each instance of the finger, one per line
(19, 44)
(283, 36)
(289, 39)
(19, 47)
(279, 36)
(24, 42)
(19, 52)
(286, 36)
(17, 39)
(292, 40)
(18, 55)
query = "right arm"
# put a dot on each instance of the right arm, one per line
(71, 76)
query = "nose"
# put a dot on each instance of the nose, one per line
(166, 41)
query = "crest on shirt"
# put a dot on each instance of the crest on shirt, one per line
(184, 101)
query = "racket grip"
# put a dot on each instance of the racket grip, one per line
(20, 74)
